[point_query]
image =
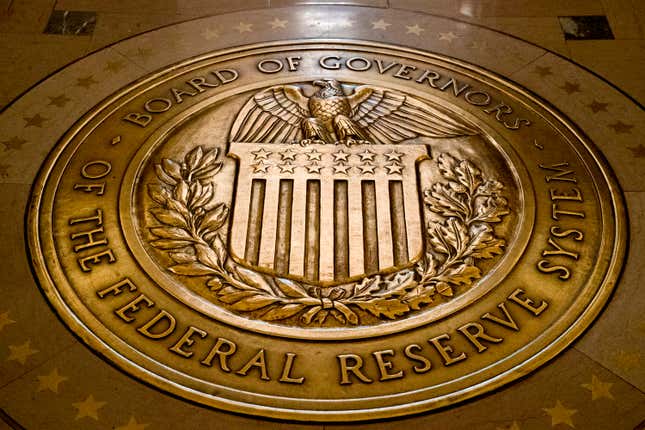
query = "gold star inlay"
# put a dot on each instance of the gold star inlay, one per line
(88, 408)
(513, 426)
(638, 151)
(620, 127)
(51, 381)
(278, 23)
(560, 415)
(59, 101)
(448, 37)
(34, 121)
(114, 66)
(21, 353)
(627, 360)
(570, 87)
(244, 27)
(598, 388)
(380, 25)
(132, 425)
(13, 143)
(414, 29)
(86, 82)
(542, 71)
(5, 320)
(346, 23)
(143, 53)
(210, 34)
(596, 106)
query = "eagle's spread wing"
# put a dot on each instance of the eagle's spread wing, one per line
(390, 117)
(272, 115)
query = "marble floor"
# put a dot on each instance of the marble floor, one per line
(585, 56)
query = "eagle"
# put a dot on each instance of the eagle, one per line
(369, 114)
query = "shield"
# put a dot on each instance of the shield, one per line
(326, 213)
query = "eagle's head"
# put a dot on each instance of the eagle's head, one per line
(328, 88)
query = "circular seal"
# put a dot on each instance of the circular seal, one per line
(326, 230)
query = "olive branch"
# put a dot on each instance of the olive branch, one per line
(191, 233)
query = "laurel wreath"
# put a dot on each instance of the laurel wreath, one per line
(192, 233)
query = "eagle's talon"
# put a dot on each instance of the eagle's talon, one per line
(305, 142)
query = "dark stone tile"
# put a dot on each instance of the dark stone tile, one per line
(71, 23)
(585, 27)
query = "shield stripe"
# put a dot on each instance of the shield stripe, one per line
(355, 239)
(413, 218)
(283, 227)
(254, 226)
(267, 241)
(370, 232)
(384, 224)
(326, 255)
(240, 225)
(341, 231)
(312, 230)
(397, 213)
(298, 227)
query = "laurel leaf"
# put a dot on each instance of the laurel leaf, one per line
(194, 157)
(170, 244)
(215, 284)
(230, 295)
(206, 196)
(214, 219)
(290, 288)
(181, 192)
(156, 193)
(207, 256)
(351, 317)
(254, 302)
(254, 279)
(220, 250)
(182, 257)
(172, 168)
(283, 312)
(171, 233)
(388, 308)
(163, 176)
(206, 173)
(191, 269)
(209, 157)
(169, 217)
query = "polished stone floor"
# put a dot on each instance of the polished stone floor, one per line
(584, 56)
